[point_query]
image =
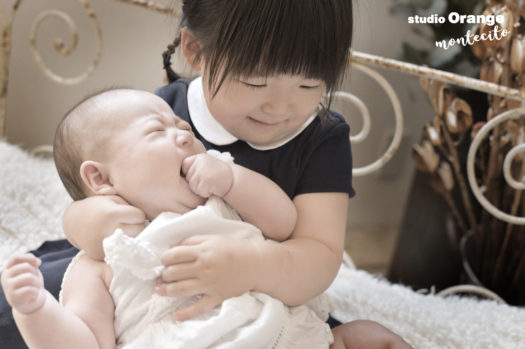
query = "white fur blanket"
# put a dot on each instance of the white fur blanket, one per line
(426, 321)
(32, 200)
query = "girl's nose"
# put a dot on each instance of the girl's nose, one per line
(276, 104)
(183, 138)
(275, 108)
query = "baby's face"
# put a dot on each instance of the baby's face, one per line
(146, 154)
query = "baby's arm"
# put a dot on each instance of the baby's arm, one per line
(88, 222)
(257, 199)
(86, 321)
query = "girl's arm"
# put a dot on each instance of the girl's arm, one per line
(85, 320)
(257, 199)
(293, 271)
(88, 222)
(309, 261)
(260, 201)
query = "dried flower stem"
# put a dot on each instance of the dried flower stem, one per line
(521, 264)
(508, 232)
(492, 193)
(451, 203)
(454, 159)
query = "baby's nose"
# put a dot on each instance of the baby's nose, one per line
(183, 138)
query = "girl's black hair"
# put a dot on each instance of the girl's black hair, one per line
(267, 37)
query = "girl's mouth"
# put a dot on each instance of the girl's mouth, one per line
(263, 123)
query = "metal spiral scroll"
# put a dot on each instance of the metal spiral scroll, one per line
(516, 184)
(64, 50)
(398, 114)
(152, 5)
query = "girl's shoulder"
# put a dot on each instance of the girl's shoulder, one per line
(329, 124)
(170, 91)
(335, 118)
(176, 95)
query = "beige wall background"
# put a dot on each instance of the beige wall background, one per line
(133, 39)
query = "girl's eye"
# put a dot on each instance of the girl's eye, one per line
(252, 85)
(309, 87)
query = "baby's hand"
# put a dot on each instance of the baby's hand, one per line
(23, 283)
(208, 175)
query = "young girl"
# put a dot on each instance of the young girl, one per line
(265, 67)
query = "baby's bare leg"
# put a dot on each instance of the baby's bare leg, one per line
(366, 334)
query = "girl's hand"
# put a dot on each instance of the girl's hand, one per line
(207, 175)
(23, 283)
(120, 214)
(212, 266)
(88, 222)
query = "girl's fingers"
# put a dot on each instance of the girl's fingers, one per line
(178, 272)
(185, 288)
(202, 306)
(178, 255)
(194, 240)
(130, 214)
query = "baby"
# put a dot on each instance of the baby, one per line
(130, 145)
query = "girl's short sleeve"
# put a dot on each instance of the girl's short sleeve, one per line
(329, 164)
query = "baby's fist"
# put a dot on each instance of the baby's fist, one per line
(208, 175)
(23, 283)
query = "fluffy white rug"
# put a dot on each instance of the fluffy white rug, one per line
(32, 201)
(427, 321)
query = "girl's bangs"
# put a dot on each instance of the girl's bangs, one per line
(305, 38)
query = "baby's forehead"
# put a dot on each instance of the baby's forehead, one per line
(122, 108)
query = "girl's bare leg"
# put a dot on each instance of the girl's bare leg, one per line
(366, 334)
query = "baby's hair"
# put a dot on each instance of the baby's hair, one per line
(311, 38)
(68, 145)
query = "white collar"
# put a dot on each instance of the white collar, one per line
(212, 131)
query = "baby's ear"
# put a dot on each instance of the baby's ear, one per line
(96, 177)
(191, 49)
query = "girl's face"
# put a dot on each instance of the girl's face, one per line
(146, 155)
(263, 110)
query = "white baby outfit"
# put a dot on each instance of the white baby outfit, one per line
(143, 319)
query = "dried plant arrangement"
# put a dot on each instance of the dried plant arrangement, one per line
(492, 249)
